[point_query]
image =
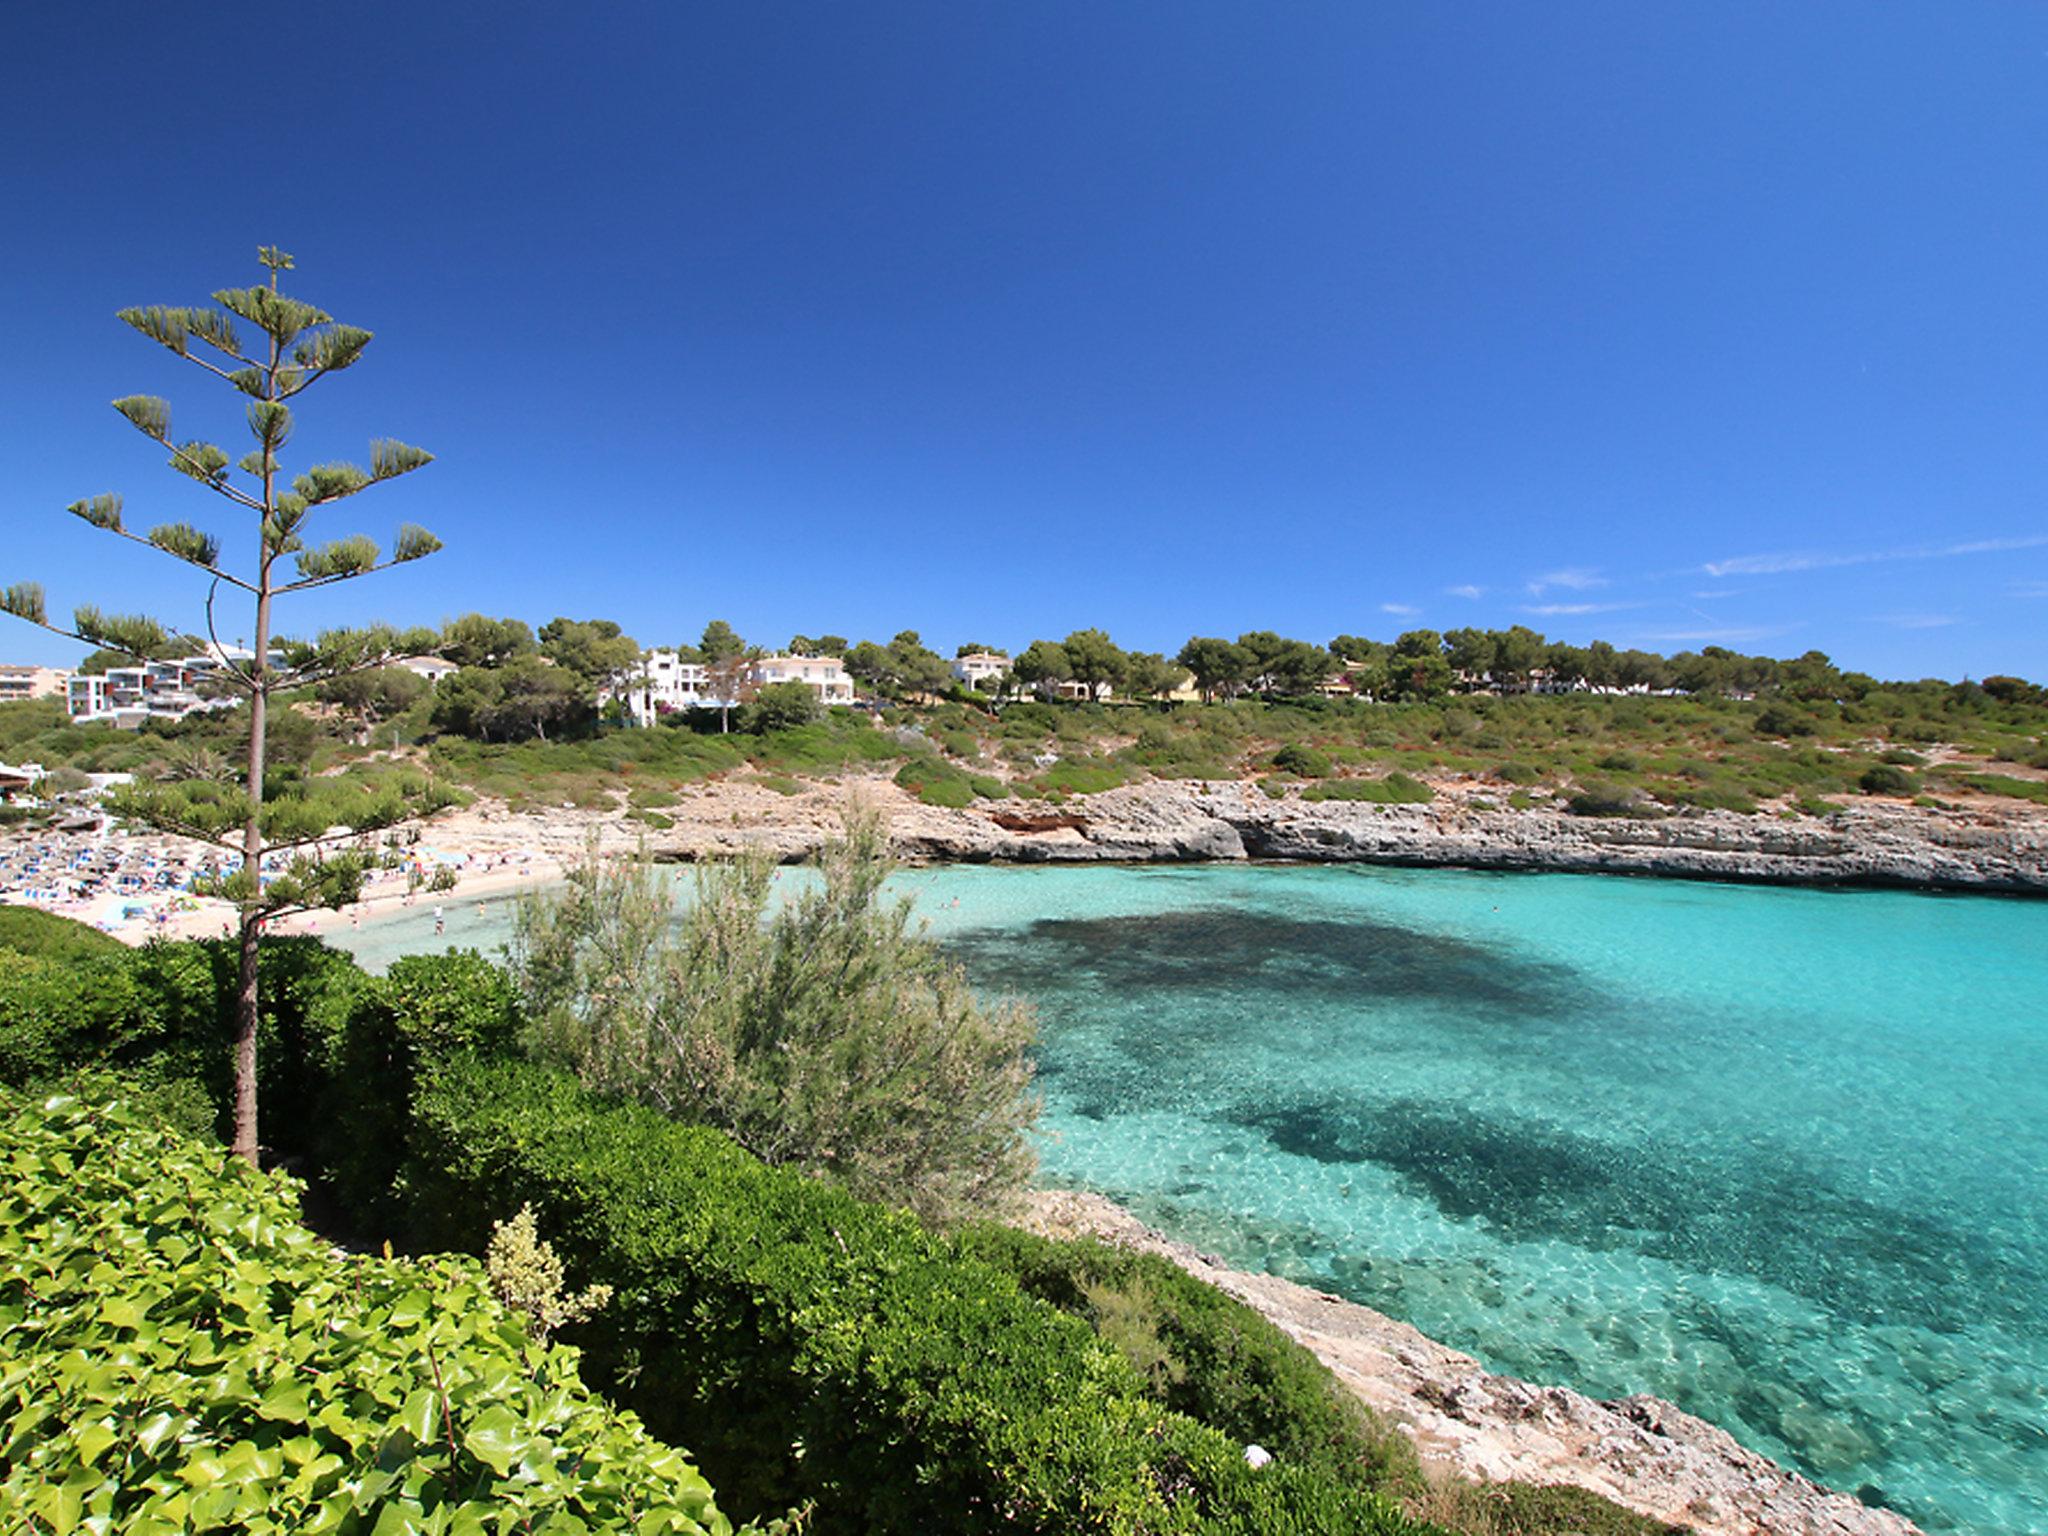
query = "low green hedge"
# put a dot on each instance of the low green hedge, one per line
(813, 1348)
(182, 1356)
(32, 931)
(1207, 1355)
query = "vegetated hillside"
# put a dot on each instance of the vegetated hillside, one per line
(1785, 749)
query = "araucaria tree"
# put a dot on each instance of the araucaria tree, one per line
(316, 831)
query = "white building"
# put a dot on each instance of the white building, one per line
(979, 669)
(432, 668)
(31, 682)
(158, 690)
(666, 683)
(825, 675)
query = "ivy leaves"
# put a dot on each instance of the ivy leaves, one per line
(183, 1357)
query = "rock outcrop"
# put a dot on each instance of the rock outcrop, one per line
(1988, 846)
(1641, 1452)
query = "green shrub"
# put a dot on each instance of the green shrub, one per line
(32, 931)
(1782, 720)
(936, 782)
(824, 1031)
(1395, 789)
(813, 1348)
(1303, 760)
(1885, 779)
(1596, 798)
(1082, 776)
(654, 819)
(957, 741)
(1711, 796)
(782, 707)
(1903, 758)
(1521, 800)
(1206, 1355)
(182, 1355)
(2000, 784)
(1518, 773)
(61, 1013)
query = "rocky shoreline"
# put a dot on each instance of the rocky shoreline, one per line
(1995, 846)
(1640, 1452)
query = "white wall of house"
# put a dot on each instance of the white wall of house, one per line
(978, 667)
(664, 683)
(824, 675)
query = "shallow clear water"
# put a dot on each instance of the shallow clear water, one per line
(1780, 1156)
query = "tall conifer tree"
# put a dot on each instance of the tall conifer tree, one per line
(319, 825)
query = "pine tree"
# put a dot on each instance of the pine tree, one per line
(320, 825)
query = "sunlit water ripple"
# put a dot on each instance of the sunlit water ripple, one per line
(1777, 1155)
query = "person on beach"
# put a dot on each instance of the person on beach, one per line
(440, 923)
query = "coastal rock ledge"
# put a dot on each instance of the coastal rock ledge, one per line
(1988, 846)
(1641, 1452)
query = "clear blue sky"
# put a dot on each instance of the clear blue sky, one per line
(1668, 323)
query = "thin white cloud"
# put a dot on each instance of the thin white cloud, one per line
(1713, 592)
(2030, 589)
(1400, 610)
(1919, 620)
(1723, 636)
(1468, 591)
(1573, 578)
(1556, 610)
(1786, 561)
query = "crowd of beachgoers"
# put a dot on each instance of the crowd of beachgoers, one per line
(140, 886)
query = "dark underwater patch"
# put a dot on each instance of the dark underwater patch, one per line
(1746, 1211)
(1280, 956)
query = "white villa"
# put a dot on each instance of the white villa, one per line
(825, 675)
(432, 668)
(977, 668)
(666, 683)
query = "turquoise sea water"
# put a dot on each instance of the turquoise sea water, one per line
(1780, 1156)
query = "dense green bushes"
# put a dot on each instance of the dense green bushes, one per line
(1887, 779)
(183, 1356)
(32, 931)
(1205, 1355)
(808, 1346)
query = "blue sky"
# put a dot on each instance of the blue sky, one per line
(1671, 324)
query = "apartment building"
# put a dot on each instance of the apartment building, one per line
(20, 682)
(158, 690)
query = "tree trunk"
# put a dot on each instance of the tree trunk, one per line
(247, 1010)
(246, 1016)
(247, 1002)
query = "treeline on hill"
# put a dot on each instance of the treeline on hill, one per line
(813, 1351)
(529, 717)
